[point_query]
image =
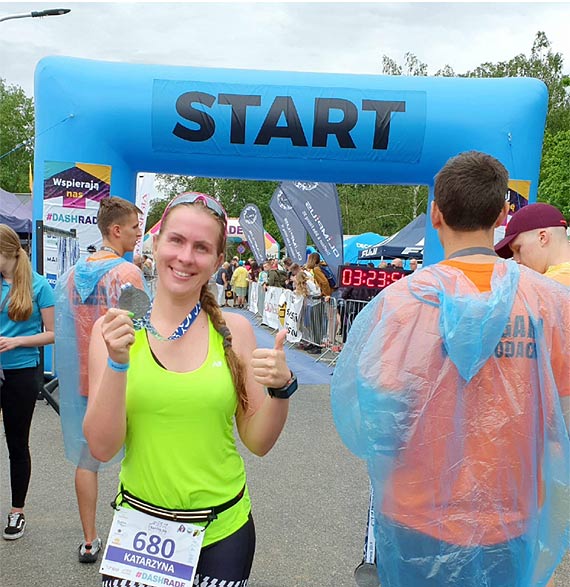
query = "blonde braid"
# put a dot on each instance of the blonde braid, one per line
(235, 364)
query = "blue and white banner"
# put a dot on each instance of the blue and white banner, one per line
(290, 227)
(317, 207)
(251, 223)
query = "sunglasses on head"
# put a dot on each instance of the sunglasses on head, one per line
(192, 198)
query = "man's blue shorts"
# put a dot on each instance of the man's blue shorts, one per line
(407, 558)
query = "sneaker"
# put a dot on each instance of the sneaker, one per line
(15, 527)
(89, 553)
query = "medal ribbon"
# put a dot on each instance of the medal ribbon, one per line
(140, 323)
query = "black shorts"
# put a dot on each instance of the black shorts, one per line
(228, 560)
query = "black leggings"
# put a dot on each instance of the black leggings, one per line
(18, 395)
(228, 560)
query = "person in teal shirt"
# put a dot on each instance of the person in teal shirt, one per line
(26, 323)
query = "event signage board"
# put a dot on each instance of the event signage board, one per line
(252, 225)
(293, 316)
(369, 277)
(271, 304)
(290, 227)
(350, 124)
(72, 194)
(317, 207)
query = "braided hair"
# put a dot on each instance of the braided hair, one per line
(211, 307)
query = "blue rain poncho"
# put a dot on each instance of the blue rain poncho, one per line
(82, 295)
(452, 396)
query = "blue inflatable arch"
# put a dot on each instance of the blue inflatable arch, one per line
(277, 125)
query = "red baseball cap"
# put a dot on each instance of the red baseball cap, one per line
(530, 217)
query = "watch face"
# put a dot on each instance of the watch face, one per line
(369, 277)
(284, 392)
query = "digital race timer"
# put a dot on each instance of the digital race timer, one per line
(372, 277)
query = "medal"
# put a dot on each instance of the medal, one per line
(138, 303)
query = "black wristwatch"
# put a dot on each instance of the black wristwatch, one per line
(286, 391)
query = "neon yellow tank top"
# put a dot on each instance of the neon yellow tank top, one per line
(180, 449)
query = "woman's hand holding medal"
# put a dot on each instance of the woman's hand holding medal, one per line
(118, 333)
(117, 328)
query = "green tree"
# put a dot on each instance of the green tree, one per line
(554, 185)
(16, 138)
(155, 211)
(543, 64)
(383, 209)
(412, 66)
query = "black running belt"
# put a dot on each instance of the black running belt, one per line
(200, 515)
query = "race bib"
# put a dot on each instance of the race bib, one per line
(152, 551)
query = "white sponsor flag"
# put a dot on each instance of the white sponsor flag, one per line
(145, 187)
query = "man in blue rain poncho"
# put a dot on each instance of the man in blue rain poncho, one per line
(453, 386)
(83, 294)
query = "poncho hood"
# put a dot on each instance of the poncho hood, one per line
(471, 322)
(88, 274)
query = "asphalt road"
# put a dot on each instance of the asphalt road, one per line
(305, 493)
(309, 504)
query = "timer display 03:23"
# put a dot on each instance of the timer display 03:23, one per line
(370, 277)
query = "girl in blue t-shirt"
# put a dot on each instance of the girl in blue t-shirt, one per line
(26, 323)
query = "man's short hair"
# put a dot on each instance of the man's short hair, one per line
(114, 210)
(470, 191)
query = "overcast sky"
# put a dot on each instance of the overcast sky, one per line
(320, 37)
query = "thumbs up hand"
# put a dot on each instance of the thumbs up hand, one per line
(270, 365)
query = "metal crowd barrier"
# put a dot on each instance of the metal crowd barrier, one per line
(256, 300)
(323, 323)
(348, 310)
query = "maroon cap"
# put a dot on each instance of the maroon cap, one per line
(529, 217)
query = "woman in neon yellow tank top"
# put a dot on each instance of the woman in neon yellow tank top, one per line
(172, 400)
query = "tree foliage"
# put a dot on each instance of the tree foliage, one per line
(412, 67)
(554, 186)
(543, 64)
(383, 209)
(16, 133)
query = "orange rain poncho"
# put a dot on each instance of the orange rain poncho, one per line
(452, 398)
(82, 295)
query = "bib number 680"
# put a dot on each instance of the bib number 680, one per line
(154, 545)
